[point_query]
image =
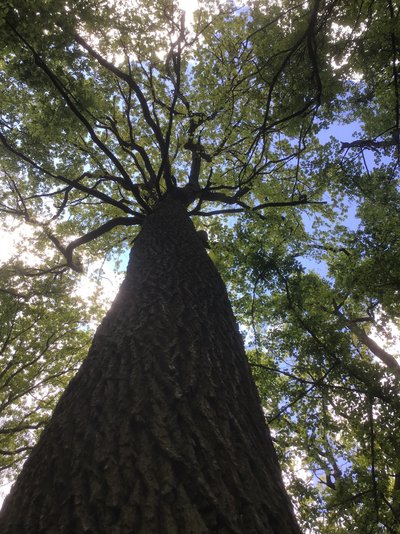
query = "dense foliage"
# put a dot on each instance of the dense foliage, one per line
(108, 106)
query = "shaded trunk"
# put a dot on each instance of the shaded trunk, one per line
(161, 431)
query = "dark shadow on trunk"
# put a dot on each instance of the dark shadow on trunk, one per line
(161, 431)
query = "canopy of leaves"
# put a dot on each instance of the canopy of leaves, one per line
(109, 106)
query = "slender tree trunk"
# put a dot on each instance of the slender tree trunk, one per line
(161, 431)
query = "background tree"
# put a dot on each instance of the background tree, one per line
(44, 338)
(119, 108)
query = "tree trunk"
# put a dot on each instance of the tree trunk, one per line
(161, 430)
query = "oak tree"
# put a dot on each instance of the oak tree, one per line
(122, 123)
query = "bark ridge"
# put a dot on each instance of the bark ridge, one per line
(161, 430)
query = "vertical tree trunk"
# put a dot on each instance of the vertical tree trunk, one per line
(161, 431)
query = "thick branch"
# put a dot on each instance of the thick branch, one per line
(389, 360)
(74, 183)
(68, 100)
(175, 59)
(373, 387)
(22, 427)
(331, 249)
(131, 83)
(132, 145)
(225, 199)
(312, 49)
(4, 452)
(372, 144)
(93, 234)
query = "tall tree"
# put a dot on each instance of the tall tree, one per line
(126, 119)
(162, 428)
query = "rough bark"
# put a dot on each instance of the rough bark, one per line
(161, 430)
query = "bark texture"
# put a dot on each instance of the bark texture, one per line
(161, 430)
